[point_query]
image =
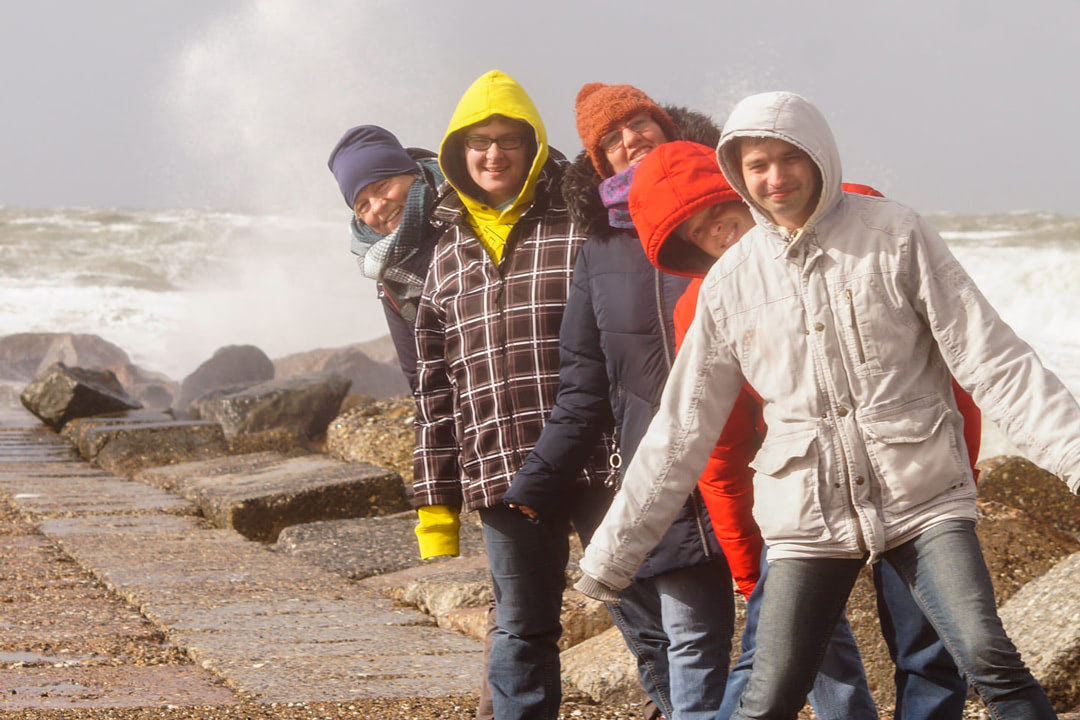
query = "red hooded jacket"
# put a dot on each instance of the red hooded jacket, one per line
(673, 183)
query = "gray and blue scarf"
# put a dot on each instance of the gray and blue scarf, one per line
(400, 260)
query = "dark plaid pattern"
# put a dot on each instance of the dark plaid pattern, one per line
(488, 351)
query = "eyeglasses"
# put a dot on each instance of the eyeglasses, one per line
(483, 142)
(637, 124)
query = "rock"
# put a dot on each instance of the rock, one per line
(260, 496)
(450, 586)
(379, 432)
(153, 390)
(1043, 620)
(302, 406)
(603, 668)
(231, 366)
(1018, 483)
(124, 447)
(61, 394)
(23, 356)
(176, 478)
(378, 378)
(360, 547)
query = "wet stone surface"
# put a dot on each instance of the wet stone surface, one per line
(266, 624)
(66, 642)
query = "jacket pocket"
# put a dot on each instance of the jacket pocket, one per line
(787, 502)
(915, 453)
(857, 318)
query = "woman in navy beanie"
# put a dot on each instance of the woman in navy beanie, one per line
(390, 191)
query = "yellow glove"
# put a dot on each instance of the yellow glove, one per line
(437, 531)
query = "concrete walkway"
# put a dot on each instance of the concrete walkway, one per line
(272, 627)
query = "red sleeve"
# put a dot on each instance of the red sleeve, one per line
(727, 486)
(972, 424)
(860, 189)
(685, 309)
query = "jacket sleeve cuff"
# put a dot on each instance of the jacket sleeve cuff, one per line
(591, 587)
(437, 531)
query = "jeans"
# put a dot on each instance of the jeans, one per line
(528, 572)
(679, 626)
(839, 691)
(945, 572)
(928, 684)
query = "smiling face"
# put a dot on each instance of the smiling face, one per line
(781, 178)
(633, 139)
(717, 227)
(379, 204)
(500, 173)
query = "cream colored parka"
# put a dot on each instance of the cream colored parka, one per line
(849, 331)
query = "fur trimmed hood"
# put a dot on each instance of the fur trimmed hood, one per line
(581, 182)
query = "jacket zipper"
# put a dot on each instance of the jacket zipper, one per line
(855, 327)
(669, 356)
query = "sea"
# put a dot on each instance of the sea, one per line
(171, 286)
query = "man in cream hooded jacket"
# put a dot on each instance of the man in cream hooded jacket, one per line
(487, 336)
(848, 328)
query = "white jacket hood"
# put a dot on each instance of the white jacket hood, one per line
(793, 119)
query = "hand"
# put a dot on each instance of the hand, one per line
(525, 510)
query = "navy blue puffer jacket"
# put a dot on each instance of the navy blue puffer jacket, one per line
(617, 346)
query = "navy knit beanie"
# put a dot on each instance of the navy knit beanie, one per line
(365, 154)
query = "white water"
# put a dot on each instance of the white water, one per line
(172, 286)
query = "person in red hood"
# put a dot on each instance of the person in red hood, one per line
(687, 216)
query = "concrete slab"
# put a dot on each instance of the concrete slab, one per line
(89, 494)
(177, 478)
(261, 500)
(360, 547)
(124, 447)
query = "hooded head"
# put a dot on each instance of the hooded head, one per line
(601, 109)
(675, 182)
(794, 120)
(492, 94)
(366, 154)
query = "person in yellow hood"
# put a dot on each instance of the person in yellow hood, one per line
(487, 332)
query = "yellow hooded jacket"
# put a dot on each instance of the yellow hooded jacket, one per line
(493, 93)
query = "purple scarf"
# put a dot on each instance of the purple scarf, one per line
(615, 194)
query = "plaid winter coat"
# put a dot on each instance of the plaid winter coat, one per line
(488, 351)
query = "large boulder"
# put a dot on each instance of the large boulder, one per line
(231, 366)
(379, 432)
(603, 668)
(1043, 619)
(63, 393)
(300, 406)
(24, 356)
(377, 378)
(1019, 483)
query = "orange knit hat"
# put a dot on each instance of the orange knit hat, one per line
(601, 107)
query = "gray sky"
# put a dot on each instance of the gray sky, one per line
(967, 106)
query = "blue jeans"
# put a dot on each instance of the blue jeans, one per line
(528, 573)
(839, 691)
(928, 684)
(945, 572)
(679, 626)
